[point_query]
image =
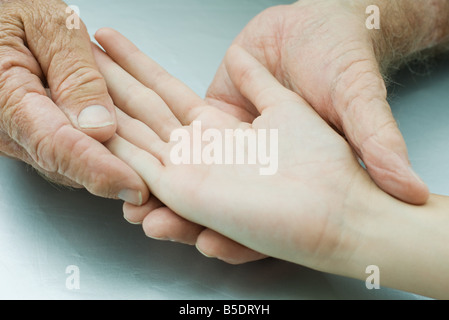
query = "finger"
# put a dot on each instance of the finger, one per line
(32, 120)
(136, 214)
(163, 224)
(144, 163)
(9, 148)
(371, 129)
(223, 95)
(66, 59)
(141, 136)
(135, 99)
(184, 103)
(213, 244)
(256, 83)
(58, 148)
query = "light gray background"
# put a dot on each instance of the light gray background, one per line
(44, 229)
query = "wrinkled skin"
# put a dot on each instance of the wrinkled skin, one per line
(323, 51)
(51, 129)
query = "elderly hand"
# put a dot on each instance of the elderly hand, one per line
(59, 136)
(323, 51)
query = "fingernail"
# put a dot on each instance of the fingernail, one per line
(207, 256)
(95, 117)
(157, 238)
(132, 222)
(148, 233)
(131, 196)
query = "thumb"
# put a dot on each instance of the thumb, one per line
(66, 59)
(223, 94)
(370, 127)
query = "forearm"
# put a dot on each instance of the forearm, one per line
(408, 243)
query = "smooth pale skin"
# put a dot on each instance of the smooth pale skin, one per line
(321, 209)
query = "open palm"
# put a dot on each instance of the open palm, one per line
(323, 51)
(294, 213)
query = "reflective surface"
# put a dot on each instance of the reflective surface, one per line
(44, 229)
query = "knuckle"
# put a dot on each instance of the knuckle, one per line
(83, 84)
(98, 184)
(7, 61)
(16, 82)
(15, 119)
(44, 151)
(8, 148)
(37, 139)
(69, 154)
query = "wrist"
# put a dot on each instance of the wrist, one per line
(407, 243)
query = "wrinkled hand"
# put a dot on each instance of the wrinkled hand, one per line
(59, 136)
(301, 213)
(323, 51)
